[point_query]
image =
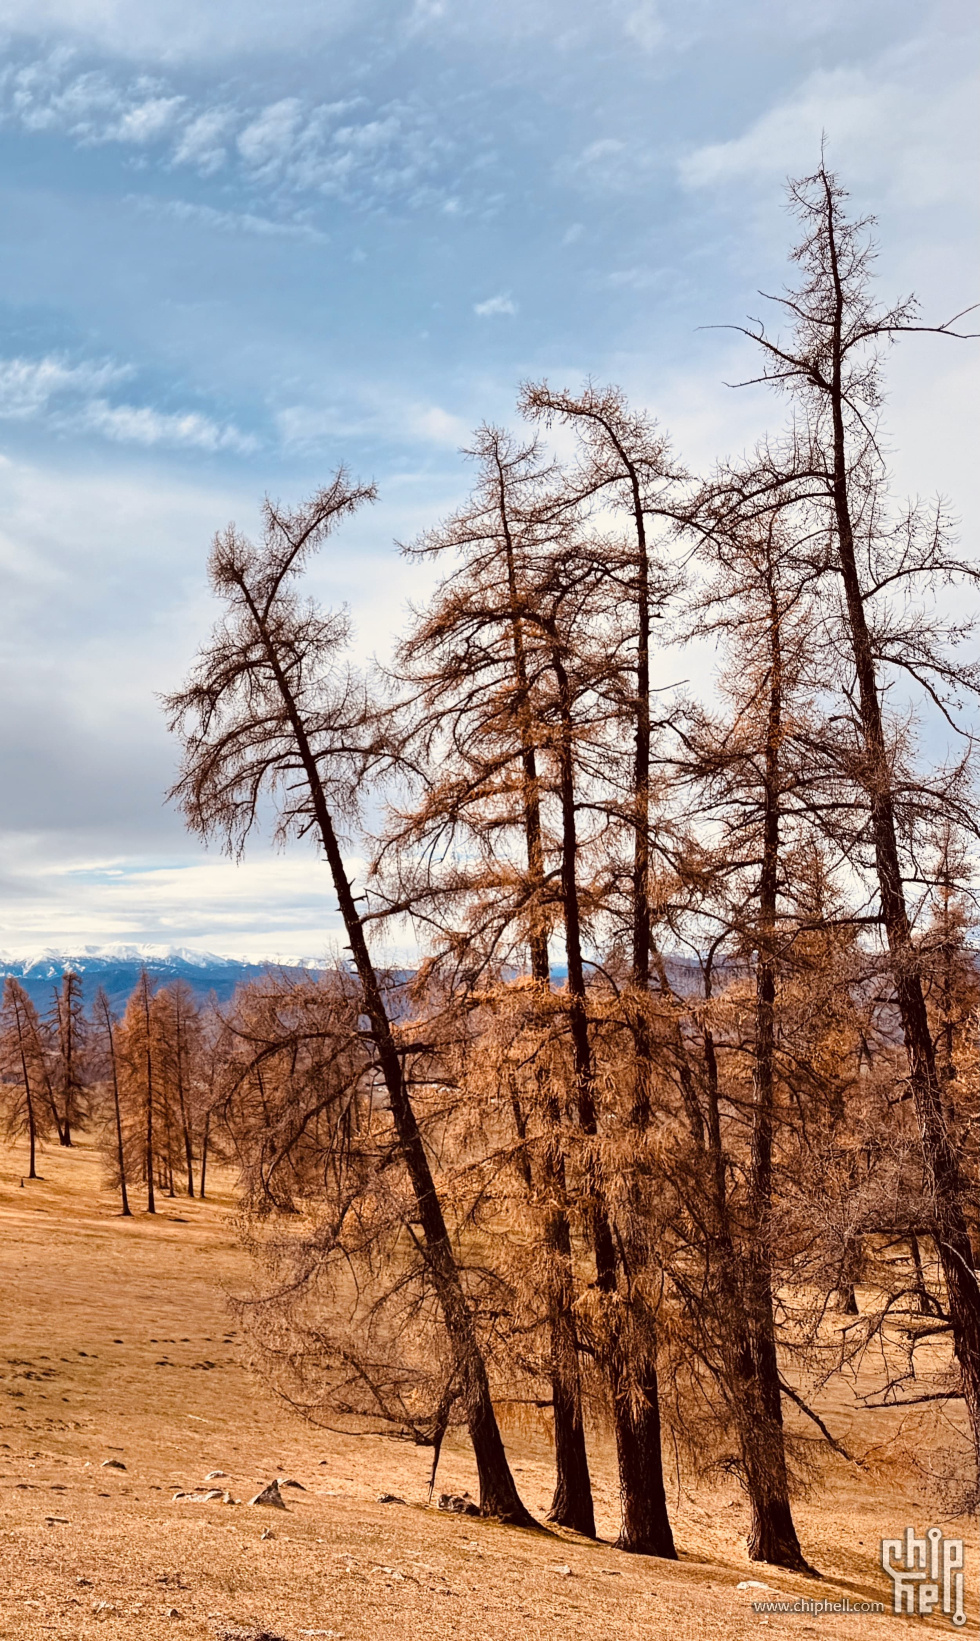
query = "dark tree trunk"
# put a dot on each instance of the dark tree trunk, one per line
(938, 1147)
(632, 1378)
(773, 1535)
(31, 1124)
(204, 1154)
(572, 1504)
(120, 1149)
(182, 1104)
(498, 1492)
(149, 1159)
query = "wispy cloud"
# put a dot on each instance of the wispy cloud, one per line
(72, 398)
(884, 124)
(495, 305)
(397, 152)
(228, 222)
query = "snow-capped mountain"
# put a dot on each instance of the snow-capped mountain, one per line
(117, 969)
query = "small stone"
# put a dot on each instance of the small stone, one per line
(267, 1533)
(389, 1498)
(269, 1495)
(172, 1612)
(215, 1475)
(81, 1581)
(226, 1498)
(565, 1572)
(56, 1521)
(179, 1495)
(113, 1464)
(752, 1584)
(291, 1483)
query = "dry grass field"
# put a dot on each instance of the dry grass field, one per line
(117, 1346)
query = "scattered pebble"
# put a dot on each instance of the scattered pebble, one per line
(270, 1495)
(389, 1498)
(113, 1464)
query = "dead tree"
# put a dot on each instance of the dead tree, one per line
(269, 712)
(18, 1039)
(105, 1019)
(471, 681)
(831, 467)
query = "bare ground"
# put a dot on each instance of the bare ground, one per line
(118, 1345)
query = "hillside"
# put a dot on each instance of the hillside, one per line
(118, 1345)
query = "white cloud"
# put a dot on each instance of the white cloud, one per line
(392, 154)
(495, 305)
(902, 124)
(202, 141)
(270, 906)
(228, 222)
(72, 398)
(645, 26)
(138, 424)
(27, 386)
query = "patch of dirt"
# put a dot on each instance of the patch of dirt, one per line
(95, 1307)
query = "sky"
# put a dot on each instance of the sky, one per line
(243, 243)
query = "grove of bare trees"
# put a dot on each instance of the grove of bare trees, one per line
(670, 1128)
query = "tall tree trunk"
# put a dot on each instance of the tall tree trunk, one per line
(182, 1105)
(204, 1153)
(773, 1535)
(120, 1149)
(645, 1523)
(498, 1492)
(572, 1505)
(149, 1159)
(938, 1148)
(29, 1099)
(67, 1021)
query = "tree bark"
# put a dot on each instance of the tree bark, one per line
(498, 1492)
(645, 1523)
(150, 1193)
(773, 1535)
(120, 1150)
(938, 1148)
(572, 1505)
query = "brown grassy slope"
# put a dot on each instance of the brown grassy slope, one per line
(116, 1345)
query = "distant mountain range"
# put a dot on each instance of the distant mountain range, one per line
(117, 969)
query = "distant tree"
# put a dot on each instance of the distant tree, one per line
(105, 1023)
(138, 1053)
(67, 1031)
(19, 1048)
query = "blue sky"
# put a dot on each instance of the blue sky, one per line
(243, 243)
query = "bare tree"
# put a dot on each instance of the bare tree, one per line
(831, 467)
(106, 1020)
(19, 1037)
(268, 712)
